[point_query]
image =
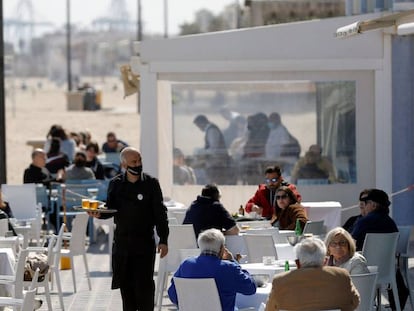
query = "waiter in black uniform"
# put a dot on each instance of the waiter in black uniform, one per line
(138, 199)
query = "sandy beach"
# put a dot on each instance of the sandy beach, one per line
(30, 112)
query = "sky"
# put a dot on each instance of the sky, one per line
(84, 11)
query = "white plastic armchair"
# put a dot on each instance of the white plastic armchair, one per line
(23, 304)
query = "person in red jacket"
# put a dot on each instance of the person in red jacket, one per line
(264, 200)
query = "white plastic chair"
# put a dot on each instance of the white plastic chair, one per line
(16, 280)
(179, 216)
(180, 237)
(4, 226)
(23, 304)
(315, 227)
(197, 294)
(259, 245)
(77, 239)
(379, 250)
(52, 250)
(23, 200)
(365, 284)
(403, 252)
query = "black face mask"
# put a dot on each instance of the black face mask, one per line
(134, 170)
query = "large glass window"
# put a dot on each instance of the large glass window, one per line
(229, 133)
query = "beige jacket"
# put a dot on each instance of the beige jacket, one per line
(309, 289)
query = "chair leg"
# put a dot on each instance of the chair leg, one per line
(407, 279)
(59, 288)
(85, 261)
(47, 294)
(72, 265)
(395, 293)
(378, 299)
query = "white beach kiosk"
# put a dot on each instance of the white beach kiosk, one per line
(333, 92)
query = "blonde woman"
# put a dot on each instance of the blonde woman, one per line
(342, 253)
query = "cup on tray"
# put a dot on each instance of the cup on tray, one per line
(93, 204)
(86, 203)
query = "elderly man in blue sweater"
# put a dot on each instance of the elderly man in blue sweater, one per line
(215, 262)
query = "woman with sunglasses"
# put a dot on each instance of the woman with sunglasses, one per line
(287, 210)
(341, 251)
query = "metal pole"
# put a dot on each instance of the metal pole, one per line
(165, 18)
(139, 23)
(68, 44)
(3, 170)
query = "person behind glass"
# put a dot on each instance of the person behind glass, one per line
(264, 200)
(113, 144)
(215, 154)
(207, 212)
(341, 250)
(215, 261)
(376, 220)
(92, 161)
(351, 221)
(182, 173)
(288, 210)
(78, 169)
(138, 199)
(37, 172)
(56, 161)
(280, 143)
(314, 166)
(313, 286)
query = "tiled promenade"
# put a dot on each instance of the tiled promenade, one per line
(102, 298)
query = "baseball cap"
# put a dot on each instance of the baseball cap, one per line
(378, 196)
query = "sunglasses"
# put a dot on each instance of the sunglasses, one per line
(271, 180)
(340, 243)
(283, 196)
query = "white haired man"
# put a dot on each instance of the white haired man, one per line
(313, 286)
(215, 261)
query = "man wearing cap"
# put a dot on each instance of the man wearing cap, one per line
(376, 220)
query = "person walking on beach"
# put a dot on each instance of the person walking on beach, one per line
(138, 199)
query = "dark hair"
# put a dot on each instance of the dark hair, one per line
(54, 146)
(292, 197)
(273, 169)
(80, 159)
(211, 191)
(93, 145)
(200, 119)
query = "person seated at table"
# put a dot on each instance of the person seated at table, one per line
(56, 161)
(314, 166)
(113, 144)
(182, 173)
(92, 161)
(78, 169)
(288, 210)
(313, 286)
(351, 221)
(342, 252)
(215, 261)
(207, 212)
(264, 200)
(5, 207)
(37, 172)
(6, 212)
(376, 220)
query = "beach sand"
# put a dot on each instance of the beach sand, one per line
(31, 112)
